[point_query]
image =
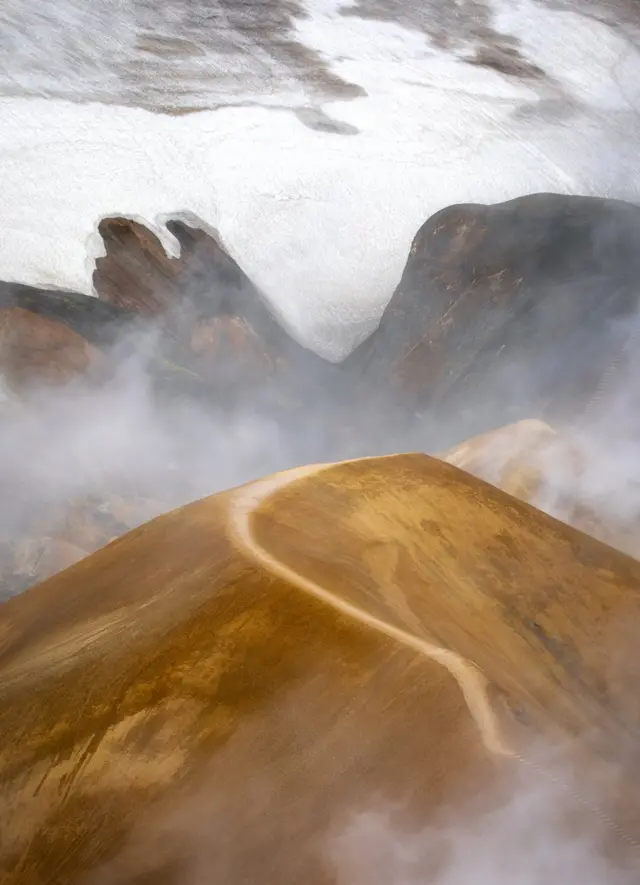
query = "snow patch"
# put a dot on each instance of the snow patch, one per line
(322, 222)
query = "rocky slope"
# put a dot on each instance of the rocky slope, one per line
(53, 337)
(270, 660)
(557, 473)
(519, 307)
(214, 318)
(199, 319)
(524, 304)
(518, 310)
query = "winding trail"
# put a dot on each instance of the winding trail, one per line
(245, 502)
(470, 680)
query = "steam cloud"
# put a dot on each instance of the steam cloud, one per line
(526, 839)
(61, 445)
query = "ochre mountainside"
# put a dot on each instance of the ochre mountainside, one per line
(528, 459)
(560, 473)
(270, 660)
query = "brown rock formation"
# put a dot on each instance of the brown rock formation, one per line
(34, 347)
(53, 336)
(503, 312)
(553, 472)
(47, 332)
(202, 300)
(137, 274)
(510, 310)
(215, 336)
(213, 695)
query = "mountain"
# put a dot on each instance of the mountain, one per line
(563, 474)
(197, 319)
(510, 310)
(523, 306)
(215, 318)
(277, 658)
(49, 336)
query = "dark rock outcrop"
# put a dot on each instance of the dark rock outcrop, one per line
(213, 334)
(212, 317)
(519, 307)
(137, 274)
(518, 310)
(32, 344)
(522, 306)
(50, 336)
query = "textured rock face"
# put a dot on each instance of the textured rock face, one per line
(274, 660)
(136, 273)
(49, 336)
(522, 304)
(34, 347)
(213, 334)
(209, 310)
(503, 312)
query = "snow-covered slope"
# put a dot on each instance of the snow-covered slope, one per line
(317, 179)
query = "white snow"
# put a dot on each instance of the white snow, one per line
(323, 222)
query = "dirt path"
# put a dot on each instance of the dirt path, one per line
(473, 684)
(471, 681)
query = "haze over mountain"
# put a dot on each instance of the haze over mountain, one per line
(238, 238)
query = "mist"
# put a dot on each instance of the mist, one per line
(124, 451)
(120, 437)
(535, 833)
(541, 819)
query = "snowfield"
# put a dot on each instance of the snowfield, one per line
(322, 217)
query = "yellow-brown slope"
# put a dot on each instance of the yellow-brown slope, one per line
(558, 473)
(219, 688)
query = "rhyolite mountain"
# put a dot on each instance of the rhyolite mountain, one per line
(208, 323)
(510, 310)
(521, 306)
(524, 309)
(559, 474)
(210, 313)
(48, 336)
(219, 695)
